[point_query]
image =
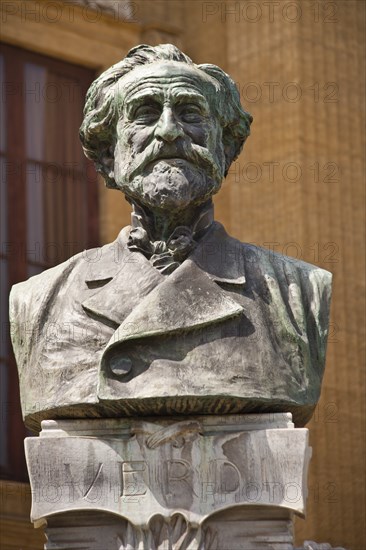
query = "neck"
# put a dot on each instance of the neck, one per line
(161, 224)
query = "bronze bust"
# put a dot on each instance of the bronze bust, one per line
(175, 316)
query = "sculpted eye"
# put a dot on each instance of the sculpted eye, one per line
(190, 113)
(146, 113)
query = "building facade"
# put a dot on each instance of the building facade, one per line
(298, 187)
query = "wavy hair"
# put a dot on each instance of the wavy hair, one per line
(98, 130)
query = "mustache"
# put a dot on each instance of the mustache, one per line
(180, 149)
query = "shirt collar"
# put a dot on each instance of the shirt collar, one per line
(220, 256)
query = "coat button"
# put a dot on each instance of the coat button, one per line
(120, 366)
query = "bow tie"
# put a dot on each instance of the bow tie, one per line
(167, 255)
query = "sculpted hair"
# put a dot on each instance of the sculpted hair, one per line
(98, 130)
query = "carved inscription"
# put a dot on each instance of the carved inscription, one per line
(205, 474)
(133, 484)
(218, 484)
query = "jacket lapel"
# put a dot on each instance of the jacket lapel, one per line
(185, 300)
(132, 293)
(124, 278)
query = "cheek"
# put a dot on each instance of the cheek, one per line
(215, 137)
(135, 137)
(198, 134)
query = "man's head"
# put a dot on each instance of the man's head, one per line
(162, 129)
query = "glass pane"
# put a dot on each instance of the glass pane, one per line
(35, 86)
(2, 106)
(34, 270)
(4, 415)
(35, 112)
(35, 232)
(4, 350)
(3, 204)
(4, 306)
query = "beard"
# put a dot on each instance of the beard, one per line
(172, 177)
(172, 184)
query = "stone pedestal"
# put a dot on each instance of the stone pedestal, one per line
(204, 482)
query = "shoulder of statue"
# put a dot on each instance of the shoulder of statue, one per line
(44, 279)
(268, 257)
(72, 272)
(80, 262)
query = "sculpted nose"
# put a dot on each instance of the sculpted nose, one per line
(168, 128)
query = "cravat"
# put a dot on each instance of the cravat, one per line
(167, 255)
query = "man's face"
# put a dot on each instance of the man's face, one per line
(169, 151)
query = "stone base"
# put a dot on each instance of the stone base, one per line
(198, 483)
(249, 529)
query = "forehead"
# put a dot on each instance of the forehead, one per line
(167, 78)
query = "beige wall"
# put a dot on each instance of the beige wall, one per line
(316, 216)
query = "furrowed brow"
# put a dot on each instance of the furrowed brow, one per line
(141, 98)
(193, 97)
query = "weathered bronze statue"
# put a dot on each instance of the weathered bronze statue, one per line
(175, 316)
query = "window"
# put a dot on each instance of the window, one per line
(49, 198)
